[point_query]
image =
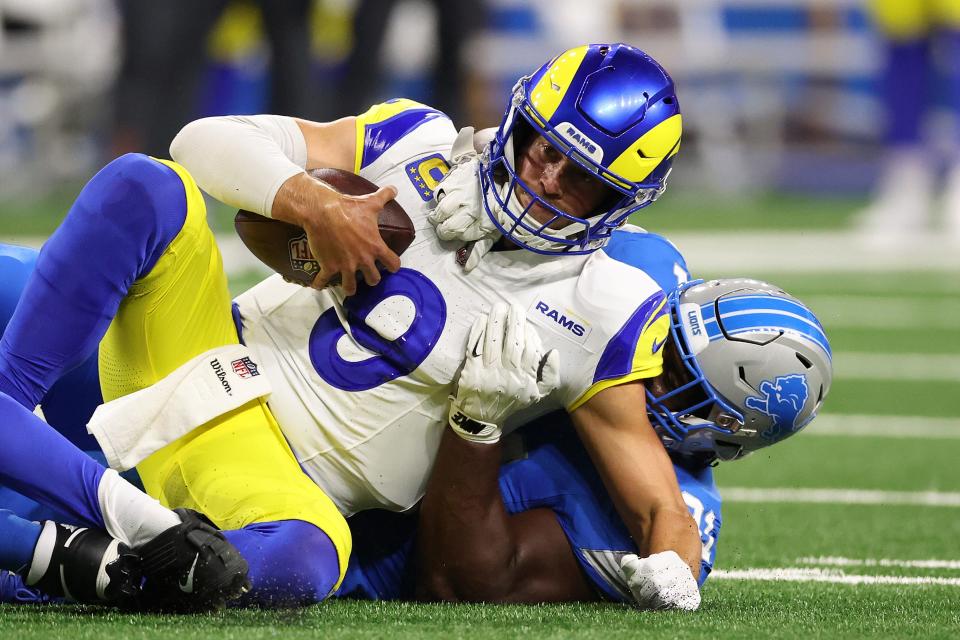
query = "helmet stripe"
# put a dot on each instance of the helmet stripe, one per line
(549, 91)
(656, 145)
(769, 302)
(774, 321)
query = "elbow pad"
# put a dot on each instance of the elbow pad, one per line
(242, 160)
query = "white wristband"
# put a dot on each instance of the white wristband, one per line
(242, 160)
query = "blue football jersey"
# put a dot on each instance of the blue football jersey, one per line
(650, 252)
(556, 473)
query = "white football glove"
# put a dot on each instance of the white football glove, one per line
(661, 581)
(459, 214)
(505, 371)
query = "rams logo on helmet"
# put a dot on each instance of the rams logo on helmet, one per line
(783, 401)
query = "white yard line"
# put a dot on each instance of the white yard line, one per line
(854, 365)
(791, 574)
(841, 496)
(902, 427)
(834, 561)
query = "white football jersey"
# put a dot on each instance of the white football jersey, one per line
(361, 385)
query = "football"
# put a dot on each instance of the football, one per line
(283, 246)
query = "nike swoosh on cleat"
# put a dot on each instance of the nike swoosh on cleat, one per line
(187, 585)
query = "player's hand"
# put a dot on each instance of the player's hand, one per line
(341, 230)
(459, 213)
(505, 371)
(661, 581)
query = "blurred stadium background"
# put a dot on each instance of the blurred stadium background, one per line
(777, 94)
(783, 147)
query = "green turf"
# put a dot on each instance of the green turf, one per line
(678, 211)
(776, 535)
(849, 462)
(730, 610)
(890, 340)
(911, 397)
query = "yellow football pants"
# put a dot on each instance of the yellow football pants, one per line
(237, 469)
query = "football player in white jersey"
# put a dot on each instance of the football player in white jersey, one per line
(362, 373)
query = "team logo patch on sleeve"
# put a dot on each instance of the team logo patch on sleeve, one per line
(426, 173)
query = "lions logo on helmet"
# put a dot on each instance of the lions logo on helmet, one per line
(760, 364)
(609, 108)
(783, 401)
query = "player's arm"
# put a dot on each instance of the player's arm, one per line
(258, 163)
(469, 547)
(639, 476)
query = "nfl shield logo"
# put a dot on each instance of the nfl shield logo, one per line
(300, 256)
(245, 367)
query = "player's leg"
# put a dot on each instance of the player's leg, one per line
(115, 230)
(904, 192)
(114, 233)
(948, 20)
(121, 226)
(58, 561)
(20, 538)
(42, 464)
(31, 547)
(239, 470)
(72, 399)
(905, 27)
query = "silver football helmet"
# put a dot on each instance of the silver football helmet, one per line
(757, 365)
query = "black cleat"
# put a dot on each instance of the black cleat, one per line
(192, 567)
(83, 565)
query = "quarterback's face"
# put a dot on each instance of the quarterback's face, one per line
(558, 181)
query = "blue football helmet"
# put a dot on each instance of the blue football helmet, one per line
(757, 363)
(609, 108)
